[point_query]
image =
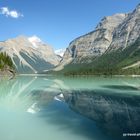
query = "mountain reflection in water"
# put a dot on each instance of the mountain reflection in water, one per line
(72, 108)
(114, 114)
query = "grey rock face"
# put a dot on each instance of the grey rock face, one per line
(127, 32)
(94, 43)
(112, 33)
(29, 55)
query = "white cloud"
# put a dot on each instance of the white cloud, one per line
(10, 13)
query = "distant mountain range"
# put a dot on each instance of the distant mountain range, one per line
(112, 48)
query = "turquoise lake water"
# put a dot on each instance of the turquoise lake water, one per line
(69, 108)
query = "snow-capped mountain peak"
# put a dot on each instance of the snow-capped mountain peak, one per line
(35, 41)
(60, 52)
(29, 55)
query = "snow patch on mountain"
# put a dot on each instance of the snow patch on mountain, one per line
(29, 55)
(60, 52)
(34, 40)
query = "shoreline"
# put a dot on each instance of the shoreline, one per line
(6, 74)
(39, 75)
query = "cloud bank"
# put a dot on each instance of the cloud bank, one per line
(10, 13)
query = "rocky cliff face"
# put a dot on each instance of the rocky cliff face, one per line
(113, 46)
(29, 55)
(127, 32)
(94, 43)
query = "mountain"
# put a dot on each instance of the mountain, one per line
(112, 48)
(123, 53)
(29, 55)
(96, 42)
(60, 52)
(128, 31)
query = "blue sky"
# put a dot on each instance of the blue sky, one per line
(57, 22)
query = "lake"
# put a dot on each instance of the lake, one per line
(69, 108)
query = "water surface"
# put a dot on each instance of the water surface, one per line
(69, 108)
